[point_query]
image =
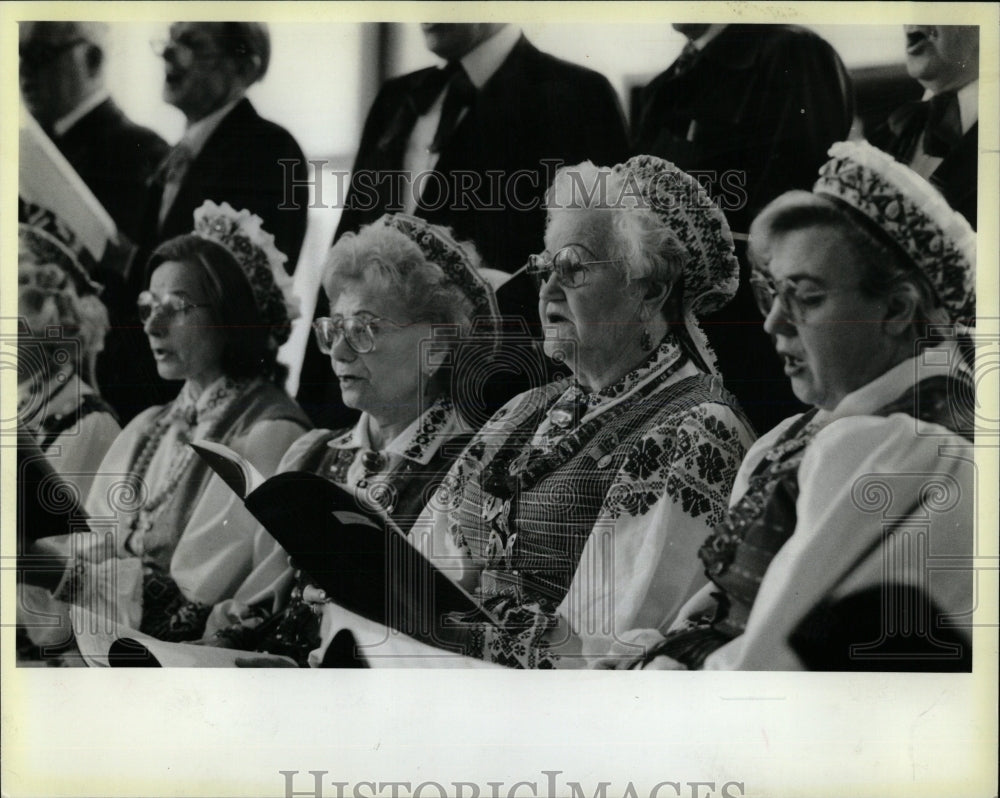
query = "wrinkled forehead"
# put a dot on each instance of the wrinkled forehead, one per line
(591, 227)
(351, 296)
(821, 253)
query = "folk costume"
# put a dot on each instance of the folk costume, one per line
(832, 554)
(168, 539)
(572, 513)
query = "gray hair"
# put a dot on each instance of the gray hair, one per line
(640, 237)
(391, 263)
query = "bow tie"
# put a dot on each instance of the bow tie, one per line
(938, 120)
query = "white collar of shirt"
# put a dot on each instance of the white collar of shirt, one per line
(436, 433)
(707, 36)
(968, 104)
(201, 131)
(938, 360)
(61, 126)
(484, 60)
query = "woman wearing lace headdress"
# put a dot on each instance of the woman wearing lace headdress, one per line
(574, 510)
(390, 285)
(849, 539)
(167, 538)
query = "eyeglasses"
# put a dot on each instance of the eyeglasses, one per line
(571, 271)
(359, 332)
(37, 55)
(796, 300)
(169, 306)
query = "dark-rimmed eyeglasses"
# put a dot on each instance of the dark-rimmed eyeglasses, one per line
(169, 306)
(37, 54)
(796, 300)
(570, 269)
(360, 332)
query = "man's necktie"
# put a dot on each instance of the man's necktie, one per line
(459, 95)
(936, 121)
(170, 174)
(686, 59)
(943, 131)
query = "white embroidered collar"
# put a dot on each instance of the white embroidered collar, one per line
(419, 442)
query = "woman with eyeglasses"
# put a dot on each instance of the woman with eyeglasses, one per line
(849, 538)
(574, 513)
(390, 285)
(168, 539)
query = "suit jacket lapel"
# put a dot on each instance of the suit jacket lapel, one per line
(490, 113)
(204, 166)
(954, 169)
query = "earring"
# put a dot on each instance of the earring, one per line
(645, 340)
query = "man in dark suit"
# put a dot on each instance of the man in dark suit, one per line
(474, 145)
(938, 137)
(228, 152)
(61, 74)
(751, 111)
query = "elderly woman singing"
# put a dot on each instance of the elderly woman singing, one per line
(847, 542)
(572, 513)
(389, 286)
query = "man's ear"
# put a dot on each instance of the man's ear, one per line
(902, 308)
(249, 69)
(94, 59)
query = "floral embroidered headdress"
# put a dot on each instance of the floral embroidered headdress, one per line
(912, 213)
(711, 275)
(241, 232)
(440, 248)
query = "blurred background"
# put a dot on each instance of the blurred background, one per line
(324, 76)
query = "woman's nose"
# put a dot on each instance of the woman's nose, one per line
(549, 287)
(155, 325)
(341, 350)
(777, 320)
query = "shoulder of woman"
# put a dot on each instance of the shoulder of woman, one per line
(305, 444)
(272, 403)
(872, 439)
(714, 420)
(519, 407)
(144, 419)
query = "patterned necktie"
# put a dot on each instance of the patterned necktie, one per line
(686, 59)
(170, 174)
(459, 96)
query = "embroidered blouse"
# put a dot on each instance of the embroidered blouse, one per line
(572, 515)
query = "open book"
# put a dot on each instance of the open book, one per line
(351, 550)
(104, 643)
